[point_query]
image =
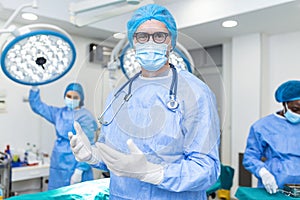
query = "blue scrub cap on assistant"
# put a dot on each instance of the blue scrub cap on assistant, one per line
(288, 91)
(148, 12)
(78, 88)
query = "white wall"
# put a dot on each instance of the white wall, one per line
(245, 86)
(284, 62)
(226, 133)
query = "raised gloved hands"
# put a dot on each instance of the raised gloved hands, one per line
(81, 146)
(268, 181)
(76, 177)
(134, 165)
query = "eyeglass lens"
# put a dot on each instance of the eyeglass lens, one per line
(72, 96)
(157, 37)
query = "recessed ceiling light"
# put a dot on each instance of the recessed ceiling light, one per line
(119, 35)
(229, 23)
(29, 16)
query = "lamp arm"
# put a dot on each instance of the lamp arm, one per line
(10, 29)
(186, 53)
(113, 63)
(16, 12)
(115, 53)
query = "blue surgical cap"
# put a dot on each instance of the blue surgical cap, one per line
(148, 12)
(77, 88)
(288, 91)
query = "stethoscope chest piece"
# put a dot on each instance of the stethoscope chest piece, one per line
(172, 104)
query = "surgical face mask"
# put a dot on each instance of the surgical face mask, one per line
(292, 117)
(151, 56)
(71, 103)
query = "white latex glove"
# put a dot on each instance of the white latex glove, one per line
(268, 180)
(81, 146)
(76, 177)
(134, 165)
(35, 88)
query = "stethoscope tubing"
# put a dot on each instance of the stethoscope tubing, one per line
(172, 104)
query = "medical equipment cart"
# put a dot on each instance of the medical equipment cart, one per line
(5, 174)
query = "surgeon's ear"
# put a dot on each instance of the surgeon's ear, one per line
(170, 47)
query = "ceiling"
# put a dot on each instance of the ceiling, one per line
(198, 21)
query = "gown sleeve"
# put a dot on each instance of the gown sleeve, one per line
(254, 152)
(40, 108)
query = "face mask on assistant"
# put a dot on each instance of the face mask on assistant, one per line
(71, 103)
(151, 56)
(291, 116)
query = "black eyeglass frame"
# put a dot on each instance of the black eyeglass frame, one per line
(152, 35)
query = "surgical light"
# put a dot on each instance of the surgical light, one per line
(35, 54)
(39, 54)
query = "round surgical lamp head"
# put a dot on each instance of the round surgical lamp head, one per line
(130, 66)
(39, 54)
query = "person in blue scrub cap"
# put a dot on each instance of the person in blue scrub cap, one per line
(152, 150)
(272, 153)
(64, 169)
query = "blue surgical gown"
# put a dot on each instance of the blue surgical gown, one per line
(63, 163)
(277, 140)
(185, 141)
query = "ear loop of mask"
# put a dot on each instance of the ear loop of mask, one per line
(285, 107)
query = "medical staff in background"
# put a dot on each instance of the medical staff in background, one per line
(160, 132)
(64, 168)
(272, 153)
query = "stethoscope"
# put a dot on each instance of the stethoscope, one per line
(172, 104)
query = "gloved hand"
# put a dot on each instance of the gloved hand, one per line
(134, 165)
(76, 177)
(268, 180)
(81, 146)
(34, 88)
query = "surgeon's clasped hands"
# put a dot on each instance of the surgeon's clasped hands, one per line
(81, 146)
(134, 165)
(268, 180)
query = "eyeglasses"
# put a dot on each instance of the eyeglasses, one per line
(157, 37)
(70, 96)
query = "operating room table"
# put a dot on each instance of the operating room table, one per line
(248, 193)
(89, 190)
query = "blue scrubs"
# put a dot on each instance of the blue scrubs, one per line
(63, 163)
(276, 139)
(185, 141)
